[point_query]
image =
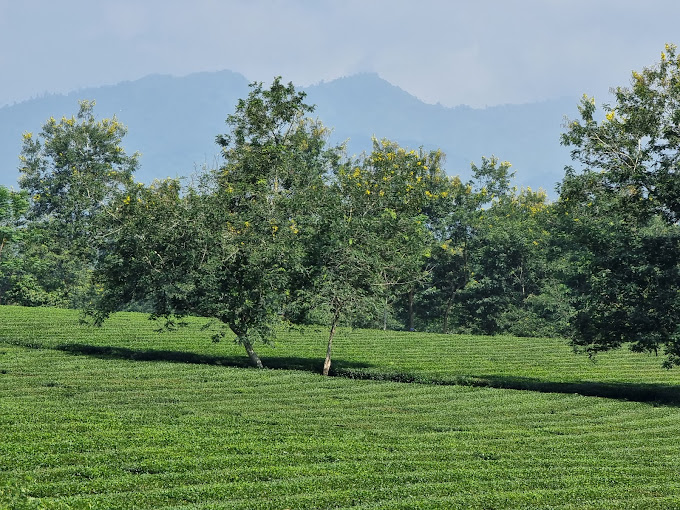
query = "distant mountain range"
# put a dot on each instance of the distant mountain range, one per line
(173, 122)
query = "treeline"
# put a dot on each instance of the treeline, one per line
(290, 229)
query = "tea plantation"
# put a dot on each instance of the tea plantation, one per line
(123, 417)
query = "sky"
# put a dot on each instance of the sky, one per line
(474, 52)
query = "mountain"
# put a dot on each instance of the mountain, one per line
(527, 135)
(173, 122)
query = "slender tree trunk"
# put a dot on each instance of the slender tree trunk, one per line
(385, 316)
(254, 358)
(447, 310)
(410, 310)
(327, 362)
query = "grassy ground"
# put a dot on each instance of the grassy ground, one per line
(121, 417)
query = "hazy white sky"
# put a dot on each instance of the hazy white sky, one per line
(475, 52)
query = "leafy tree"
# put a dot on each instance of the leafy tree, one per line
(147, 253)
(374, 238)
(227, 247)
(456, 228)
(509, 267)
(636, 145)
(342, 265)
(450, 257)
(13, 207)
(400, 188)
(276, 164)
(71, 170)
(620, 215)
(490, 272)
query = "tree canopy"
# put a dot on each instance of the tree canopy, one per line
(288, 229)
(620, 215)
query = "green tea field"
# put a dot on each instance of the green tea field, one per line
(122, 417)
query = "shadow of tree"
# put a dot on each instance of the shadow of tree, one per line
(274, 362)
(636, 392)
(666, 394)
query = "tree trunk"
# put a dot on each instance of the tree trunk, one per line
(447, 310)
(385, 316)
(410, 310)
(327, 362)
(254, 358)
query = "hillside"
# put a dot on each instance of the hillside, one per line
(173, 122)
(122, 417)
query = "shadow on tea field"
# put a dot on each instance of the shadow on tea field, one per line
(274, 362)
(636, 392)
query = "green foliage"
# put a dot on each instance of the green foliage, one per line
(71, 170)
(637, 144)
(490, 267)
(182, 253)
(44, 274)
(147, 252)
(450, 269)
(623, 279)
(619, 216)
(392, 193)
(228, 247)
(508, 264)
(31, 273)
(372, 241)
(276, 163)
(13, 207)
(492, 180)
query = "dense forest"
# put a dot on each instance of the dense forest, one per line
(287, 229)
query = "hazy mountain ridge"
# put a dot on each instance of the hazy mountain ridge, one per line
(173, 122)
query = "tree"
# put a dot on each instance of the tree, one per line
(619, 216)
(489, 267)
(341, 264)
(509, 271)
(452, 231)
(457, 228)
(635, 146)
(276, 163)
(374, 238)
(71, 170)
(13, 207)
(400, 189)
(227, 247)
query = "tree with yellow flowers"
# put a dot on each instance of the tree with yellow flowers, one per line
(374, 238)
(71, 169)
